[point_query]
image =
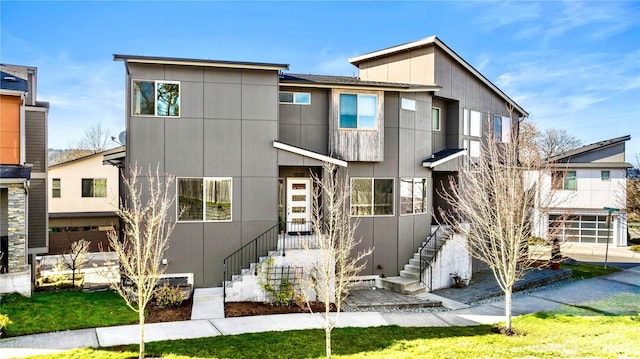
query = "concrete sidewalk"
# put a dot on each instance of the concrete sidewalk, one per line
(571, 293)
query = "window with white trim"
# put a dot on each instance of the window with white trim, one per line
(295, 98)
(475, 123)
(204, 199)
(435, 119)
(156, 98)
(55, 188)
(501, 128)
(413, 195)
(371, 196)
(358, 111)
(408, 104)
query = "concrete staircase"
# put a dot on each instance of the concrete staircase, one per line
(409, 280)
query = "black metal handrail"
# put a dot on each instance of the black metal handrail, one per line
(249, 253)
(427, 252)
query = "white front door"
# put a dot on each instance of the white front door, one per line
(298, 204)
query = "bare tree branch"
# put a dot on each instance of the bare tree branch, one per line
(146, 230)
(337, 265)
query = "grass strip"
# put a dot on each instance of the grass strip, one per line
(54, 311)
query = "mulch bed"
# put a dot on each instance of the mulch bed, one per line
(243, 309)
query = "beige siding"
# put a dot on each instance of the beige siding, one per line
(416, 66)
(71, 175)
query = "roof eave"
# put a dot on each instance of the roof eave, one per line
(199, 62)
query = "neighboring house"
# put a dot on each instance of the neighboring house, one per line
(82, 196)
(583, 182)
(243, 137)
(23, 176)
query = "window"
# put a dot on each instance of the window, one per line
(563, 180)
(204, 199)
(435, 119)
(475, 123)
(413, 195)
(408, 104)
(497, 128)
(474, 149)
(605, 175)
(55, 188)
(501, 128)
(156, 98)
(358, 111)
(371, 197)
(296, 98)
(94, 187)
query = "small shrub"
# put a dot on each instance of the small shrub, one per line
(284, 295)
(634, 241)
(167, 296)
(4, 322)
(537, 241)
(635, 248)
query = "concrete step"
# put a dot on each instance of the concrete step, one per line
(415, 289)
(410, 275)
(415, 262)
(398, 284)
(412, 268)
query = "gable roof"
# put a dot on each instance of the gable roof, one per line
(198, 62)
(435, 41)
(82, 158)
(589, 148)
(303, 80)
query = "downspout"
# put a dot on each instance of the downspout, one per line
(23, 150)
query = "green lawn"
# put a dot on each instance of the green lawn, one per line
(542, 335)
(53, 311)
(586, 270)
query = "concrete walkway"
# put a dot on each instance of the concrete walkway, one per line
(208, 317)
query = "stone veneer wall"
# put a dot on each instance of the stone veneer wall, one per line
(17, 227)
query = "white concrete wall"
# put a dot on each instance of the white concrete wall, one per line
(16, 282)
(591, 191)
(452, 258)
(249, 288)
(71, 175)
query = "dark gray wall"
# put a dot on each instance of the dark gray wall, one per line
(36, 140)
(38, 227)
(226, 128)
(36, 154)
(306, 126)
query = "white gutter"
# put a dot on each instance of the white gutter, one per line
(310, 154)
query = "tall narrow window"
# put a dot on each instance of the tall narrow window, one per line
(55, 188)
(156, 98)
(497, 128)
(358, 111)
(475, 123)
(435, 119)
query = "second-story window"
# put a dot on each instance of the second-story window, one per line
(435, 119)
(564, 180)
(295, 98)
(94, 187)
(358, 111)
(55, 187)
(156, 98)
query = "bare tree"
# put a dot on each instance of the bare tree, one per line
(146, 228)
(95, 139)
(76, 257)
(493, 203)
(337, 264)
(554, 141)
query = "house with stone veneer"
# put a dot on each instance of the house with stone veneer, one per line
(242, 139)
(23, 176)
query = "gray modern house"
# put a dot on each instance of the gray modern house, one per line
(23, 176)
(242, 139)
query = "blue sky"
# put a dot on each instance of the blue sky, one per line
(572, 65)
